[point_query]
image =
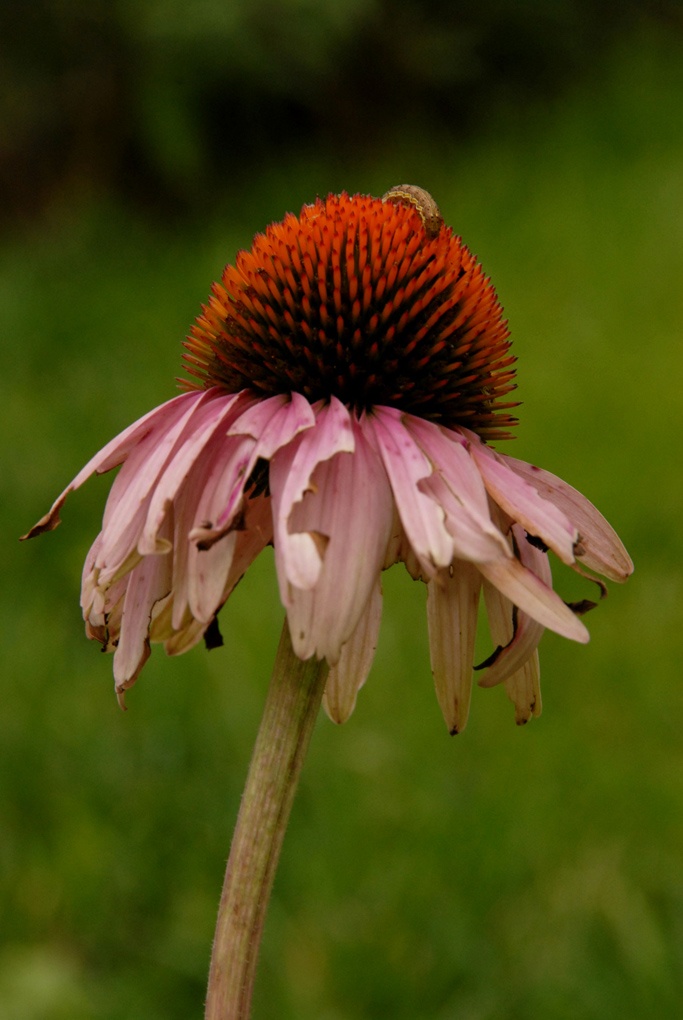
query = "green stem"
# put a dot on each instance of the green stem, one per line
(294, 697)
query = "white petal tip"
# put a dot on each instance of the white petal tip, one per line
(487, 684)
(338, 714)
(582, 634)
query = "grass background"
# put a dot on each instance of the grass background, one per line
(515, 874)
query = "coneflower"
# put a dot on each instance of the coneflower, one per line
(347, 377)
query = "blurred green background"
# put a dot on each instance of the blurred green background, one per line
(515, 874)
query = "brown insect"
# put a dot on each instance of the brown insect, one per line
(422, 201)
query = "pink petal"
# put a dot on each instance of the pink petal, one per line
(254, 420)
(184, 514)
(255, 535)
(523, 686)
(251, 540)
(529, 593)
(186, 638)
(399, 550)
(347, 677)
(448, 454)
(120, 558)
(270, 425)
(406, 465)
(351, 509)
(116, 451)
(98, 603)
(210, 416)
(222, 492)
(89, 577)
(205, 510)
(457, 486)
(523, 689)
(518, 649)
(213, 571)
(474, 538)
(149, 582)
(106, 601)
(97, 606)
(108, 634)
(208, 571)
(523, 503)
(600, 548)
(161, 622)
(209, 565)
(131, 493)
(274, 422)
(452, 608)
(257, 433)
(290, 478)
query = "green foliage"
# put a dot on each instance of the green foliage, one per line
(515, 874)
(165, 103)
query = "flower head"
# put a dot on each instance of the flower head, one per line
(347, 376)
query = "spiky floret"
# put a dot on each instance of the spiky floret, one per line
(352, 299)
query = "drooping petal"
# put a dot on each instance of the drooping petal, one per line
(102, 622)
(406, 465)
(214, 572)
(131, 493)
(452, 608)
(149, 582)
(457, 486)
(109, 635)
(399, 550)
(186, 638)
(534, 597)
(523, 689)
(184, 517)
(159, 421)
(474, 538)
(257, 433)
(351, 508)
(255, 420)
(523, 503)
(274, 422)
(290, 478)
(447, 451)
(89, 577)
(226, 470)
(519, 648)
(599, 548)
(213, 492)
(208, 571)
(523, 686)
(252, 538)
(254, 535)
(118, 552)
(161, 622)
(347, 677)
(219, 479)
(264, 428)
(210, 416)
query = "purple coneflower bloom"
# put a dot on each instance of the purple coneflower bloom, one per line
(348, 376)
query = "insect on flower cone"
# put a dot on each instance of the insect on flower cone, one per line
(347, 377)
